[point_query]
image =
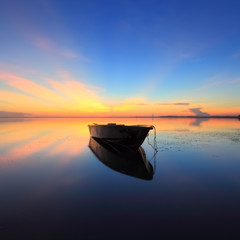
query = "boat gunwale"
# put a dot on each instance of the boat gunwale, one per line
(120, 125)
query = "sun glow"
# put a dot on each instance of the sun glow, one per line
(68, 98)
(71, 98)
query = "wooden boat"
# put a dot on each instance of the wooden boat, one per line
(126, 135)
(132, 162)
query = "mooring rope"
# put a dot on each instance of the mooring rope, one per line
(154, 146)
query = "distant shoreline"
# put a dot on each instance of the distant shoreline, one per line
(206, 117)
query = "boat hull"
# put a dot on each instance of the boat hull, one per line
(131, 136)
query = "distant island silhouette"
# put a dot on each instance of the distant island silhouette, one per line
(173, 116)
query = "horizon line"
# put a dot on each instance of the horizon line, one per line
(168, 116)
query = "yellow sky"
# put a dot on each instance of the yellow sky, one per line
(67, 98)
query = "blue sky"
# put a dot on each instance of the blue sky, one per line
(128, 52)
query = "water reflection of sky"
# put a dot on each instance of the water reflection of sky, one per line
(52, 185)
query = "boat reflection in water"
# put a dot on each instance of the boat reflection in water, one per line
(128, 161)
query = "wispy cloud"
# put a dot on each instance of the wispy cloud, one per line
(218, 83)
(51, 98)
(29, 87)
(236, 55)
(48, 45)
(141, 106)
(4, 102)
(13, 114)
(173, 104)
(144, 102)
(130, 104)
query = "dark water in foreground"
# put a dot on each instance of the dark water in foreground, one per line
(52, 186)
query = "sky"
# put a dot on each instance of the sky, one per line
(119, 58)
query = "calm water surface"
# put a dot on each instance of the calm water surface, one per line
(53, 186)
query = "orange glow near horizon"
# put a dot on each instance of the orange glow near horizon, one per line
(70, 98)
